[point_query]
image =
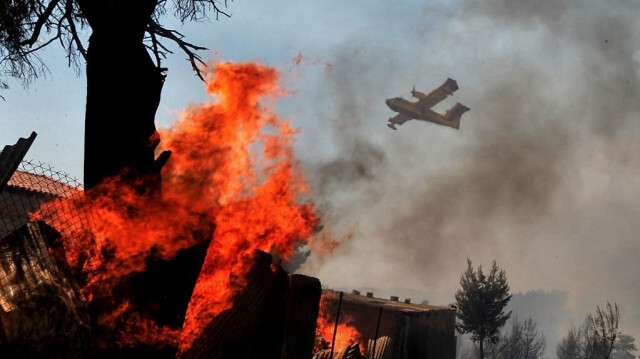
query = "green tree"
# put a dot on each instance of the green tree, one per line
(481, 301)
(123, 68)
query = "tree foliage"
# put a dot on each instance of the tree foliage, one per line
(521, 341)
(123, 56)
(27, 26)
(624, 347)
(570, 347)
(595, 338)
(481, 301)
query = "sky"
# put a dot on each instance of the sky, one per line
(541, 176)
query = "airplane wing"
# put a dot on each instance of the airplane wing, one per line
(398, 119)
(437, 95)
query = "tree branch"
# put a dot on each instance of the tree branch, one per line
(43, 45)
(154, 48)
(190, 49)
(218, 11)
(42, 19)
(196, 9)
(68, 15)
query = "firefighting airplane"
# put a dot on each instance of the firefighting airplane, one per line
(421, 110)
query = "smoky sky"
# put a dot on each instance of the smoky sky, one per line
(549, 310)
(542, 175)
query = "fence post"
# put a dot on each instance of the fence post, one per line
(335, 328)
(375, 339)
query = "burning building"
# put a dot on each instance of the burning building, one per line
(403, 330)
(194, 271)
(185, 273)
(47, 312)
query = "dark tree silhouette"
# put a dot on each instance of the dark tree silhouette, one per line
(481, 301)
(123, 68)
(595, 339)
(624, 347)
(521, 341)
(571, 346)
(606, 322)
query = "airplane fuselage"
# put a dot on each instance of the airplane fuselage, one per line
(421, 109)
(410, 109)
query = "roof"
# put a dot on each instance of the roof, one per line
(40, 184)
(388, 304)
(11, 156)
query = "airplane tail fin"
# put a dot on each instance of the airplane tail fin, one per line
(392, 124)
(454, 114)
(450, 86)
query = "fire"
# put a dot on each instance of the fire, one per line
(346, 334)
(232, 164)
(253, 196)
(119, 230)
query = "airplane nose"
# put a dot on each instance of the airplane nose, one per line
(392, 104)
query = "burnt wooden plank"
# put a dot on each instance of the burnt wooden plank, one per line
(303, 304)
(11, 156)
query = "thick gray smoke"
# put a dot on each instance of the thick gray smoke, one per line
(542, 176)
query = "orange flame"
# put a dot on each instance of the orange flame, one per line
(346, 334)
(232, 163)
(118, 230)
(108, 235)
(252, 197)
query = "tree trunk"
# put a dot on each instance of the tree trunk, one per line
(481, 348)
(123, 92)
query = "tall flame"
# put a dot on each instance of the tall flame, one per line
(232, 164)
(252, 196)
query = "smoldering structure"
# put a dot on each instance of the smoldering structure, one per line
(45, 314)
(390, 328)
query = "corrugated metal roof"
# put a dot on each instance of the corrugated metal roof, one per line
(387, 304)
(11, 156)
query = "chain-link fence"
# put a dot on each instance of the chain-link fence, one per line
(31, 186)
(42, 311)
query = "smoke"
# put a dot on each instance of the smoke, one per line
(603, 37)
(549, 310)
(542, 176)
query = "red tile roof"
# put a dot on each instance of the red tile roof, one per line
(41, 184)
